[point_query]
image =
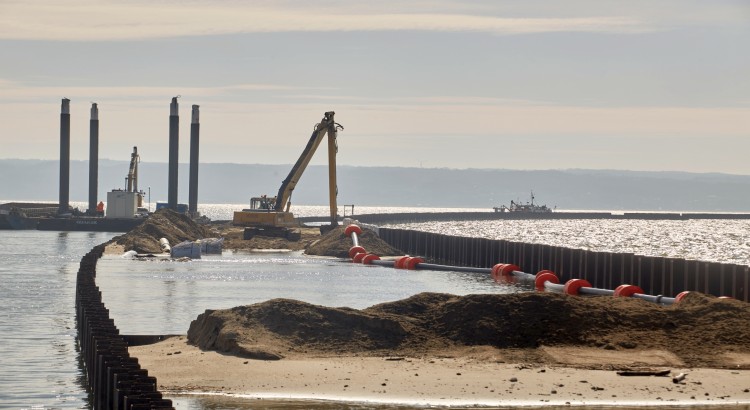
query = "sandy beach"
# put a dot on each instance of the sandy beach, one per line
(478, 376)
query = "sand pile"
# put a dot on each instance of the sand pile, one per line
(335, 243)
(696, 330)
(164, 223)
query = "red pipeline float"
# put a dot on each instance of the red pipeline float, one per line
(506, 273)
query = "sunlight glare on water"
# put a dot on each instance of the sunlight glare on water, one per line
(715, 240)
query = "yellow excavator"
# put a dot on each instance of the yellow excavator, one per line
(270, 216)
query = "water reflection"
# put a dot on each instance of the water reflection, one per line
(62, 243)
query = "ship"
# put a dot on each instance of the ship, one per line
(528, 207)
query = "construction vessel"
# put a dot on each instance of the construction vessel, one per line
(124, 209)
(524, 208)
(271, 216)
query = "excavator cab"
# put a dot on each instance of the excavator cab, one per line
(260, 203)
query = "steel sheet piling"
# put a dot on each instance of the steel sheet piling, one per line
(656, 275)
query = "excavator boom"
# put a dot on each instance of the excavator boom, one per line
(282, 202)
(327, 125)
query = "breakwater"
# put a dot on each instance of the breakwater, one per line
(115, 379)
(655, 275)
(409, 217)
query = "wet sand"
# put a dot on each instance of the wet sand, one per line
(471, 376)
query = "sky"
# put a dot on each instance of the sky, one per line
(650, 85)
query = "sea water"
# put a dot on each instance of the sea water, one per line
(39, 362)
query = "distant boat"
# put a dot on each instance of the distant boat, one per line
(524, 208)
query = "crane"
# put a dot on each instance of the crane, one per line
(271, 215)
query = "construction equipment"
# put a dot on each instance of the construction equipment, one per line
(132, 178)
(127, 203)
(270, 216)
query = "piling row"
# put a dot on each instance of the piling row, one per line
(506, 273)
(115, 379)
(655, 275)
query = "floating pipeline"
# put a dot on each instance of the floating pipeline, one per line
(115, 379)
(544, 280)
(655, 275)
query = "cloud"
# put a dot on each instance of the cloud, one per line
(11, 91)
(84, 20)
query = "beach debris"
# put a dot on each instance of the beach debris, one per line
(164, 243)
(188, 249)
(644, 372)
(680, 377)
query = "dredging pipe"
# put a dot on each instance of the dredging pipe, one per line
(64, 157)
(544, 280)
(174, 148)
(93, 158)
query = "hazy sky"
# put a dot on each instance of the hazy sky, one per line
(526, 84)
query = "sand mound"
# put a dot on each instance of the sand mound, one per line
(164, 223)
(696, 330)
(335, 243)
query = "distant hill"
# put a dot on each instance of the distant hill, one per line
(391, 186)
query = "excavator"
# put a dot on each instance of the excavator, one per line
(270, 216)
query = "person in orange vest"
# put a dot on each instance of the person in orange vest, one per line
(100, 208)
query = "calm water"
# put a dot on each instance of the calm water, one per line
(152, 297)
(38, 358)
(39, 363)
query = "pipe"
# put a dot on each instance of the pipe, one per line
(93, 158)
(432, 266)
(64, 157)
(658, 299)
(554, 287)
(174, 147)
(596, 291)
(194, 145)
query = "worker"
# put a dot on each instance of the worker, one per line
(100, 208)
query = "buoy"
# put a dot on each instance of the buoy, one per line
(545, 276)
(412, 262)
(399, 263)
(355, 250)
(572, 286)
(352, 228)
(358, 257)
(367, 260)
(626, 291)
(680, 296)
(503, 272)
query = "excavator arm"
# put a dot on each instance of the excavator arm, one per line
(132, 177)
(269, 213)
(326, 126)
